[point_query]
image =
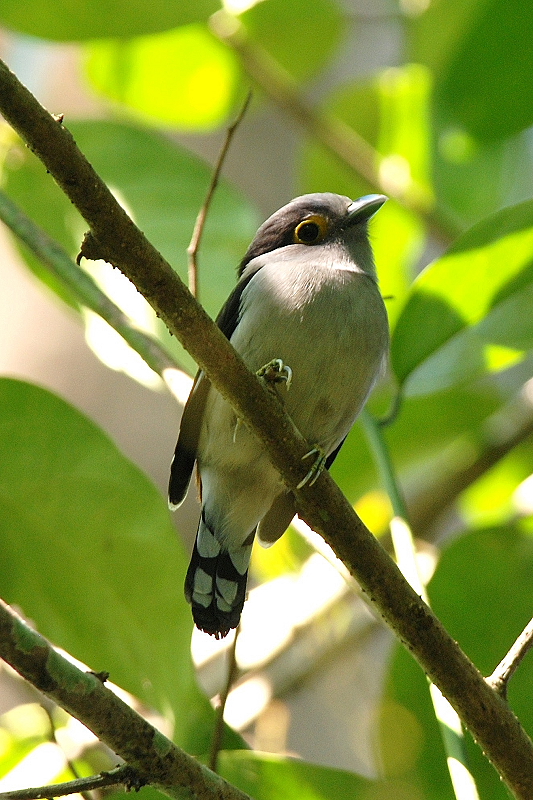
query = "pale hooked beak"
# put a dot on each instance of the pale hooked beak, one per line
(364, 208)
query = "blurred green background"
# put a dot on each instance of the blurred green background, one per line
(428, 102)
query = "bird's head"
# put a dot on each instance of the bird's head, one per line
(320, 220)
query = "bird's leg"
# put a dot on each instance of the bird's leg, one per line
(236, 428)
(276, 372)
(273, 372)
(316, 468)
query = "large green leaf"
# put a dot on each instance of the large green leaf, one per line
(67, 21)
(183, 77)
(480, 51)
(89, 553)
(422, 432)
(163, 187)
(470, 310)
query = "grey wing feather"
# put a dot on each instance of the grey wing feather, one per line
(187, 445)
(276, 520)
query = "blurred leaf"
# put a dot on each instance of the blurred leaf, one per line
(65, 21)
(184, 77)
(391, 113)
(424, 428)
(163, 187)
(316, 28)
(477, 179)
(490, 500)
(475, 295)
(89, 553)
(480, 51)
(264, 777)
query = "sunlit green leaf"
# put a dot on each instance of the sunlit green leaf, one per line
(474, 297)
(62, 20)
(184, 77)
(89, 553)
(314, 27)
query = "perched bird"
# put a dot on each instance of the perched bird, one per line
(307, 315)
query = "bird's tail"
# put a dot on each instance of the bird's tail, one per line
(215, 584)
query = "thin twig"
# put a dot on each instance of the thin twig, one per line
(84, 790)
(124, 775)
(505, 670)
(199, 225)
(218, 730)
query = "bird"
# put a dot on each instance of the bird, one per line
(307, 316)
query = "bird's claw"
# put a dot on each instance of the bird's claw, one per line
(276, 372)
(316, 468)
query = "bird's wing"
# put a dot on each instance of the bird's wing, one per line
(276, 520)
(193, 413)
(187, 444)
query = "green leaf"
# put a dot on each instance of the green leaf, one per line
(480, 53)
(314, 27)
(265, 777)
(467, 311)
(89, 553)
(66, 21)
(184, 77)
(163, 186)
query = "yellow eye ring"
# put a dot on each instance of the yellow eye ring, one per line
(311, 230)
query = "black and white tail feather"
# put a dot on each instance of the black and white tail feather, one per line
(307, 295)
(215, 584)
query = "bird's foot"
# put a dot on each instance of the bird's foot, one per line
(276, 372)
(316, 468)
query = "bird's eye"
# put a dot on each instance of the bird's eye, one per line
(311, 231)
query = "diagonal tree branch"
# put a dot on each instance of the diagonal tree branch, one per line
(115, 238)
(155, 758)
